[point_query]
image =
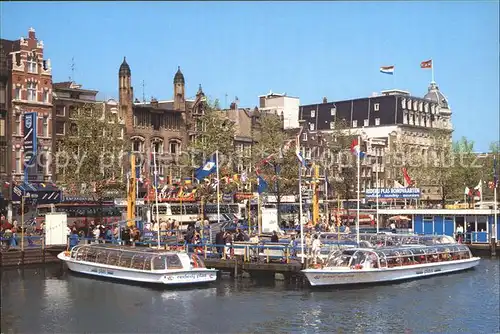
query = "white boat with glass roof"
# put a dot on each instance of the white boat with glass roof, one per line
(376, 265)
(139, 265)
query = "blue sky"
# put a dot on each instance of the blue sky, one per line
(306, 49)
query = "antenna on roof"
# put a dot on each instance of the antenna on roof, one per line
(72, 77)
(143, 92)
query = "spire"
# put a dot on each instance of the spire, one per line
(124, 68)
(179, 77)
(200, 90)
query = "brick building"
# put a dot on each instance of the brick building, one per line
(67, 98)
(160, 126)
(27, 78)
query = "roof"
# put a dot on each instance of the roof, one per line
(434, 94)
(71, 86)
(179, 77)
(124, 68)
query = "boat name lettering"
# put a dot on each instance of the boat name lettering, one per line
(185, 276)
(102, 271)
(427, 271)
(317, 277)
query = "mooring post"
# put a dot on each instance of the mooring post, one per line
(235, 267)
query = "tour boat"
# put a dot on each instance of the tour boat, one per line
(376, 265)
(139, 265)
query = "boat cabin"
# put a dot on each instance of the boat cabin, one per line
(478, 224)
(138, 259)
(365, 258)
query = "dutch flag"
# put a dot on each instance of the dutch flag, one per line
(387, 70)
(356, 149)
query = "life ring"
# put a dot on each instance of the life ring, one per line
(195, 262)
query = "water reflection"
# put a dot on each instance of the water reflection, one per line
(51, 300)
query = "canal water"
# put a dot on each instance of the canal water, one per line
(51, 300)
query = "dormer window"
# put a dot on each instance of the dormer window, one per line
(333, 111)
(313, 113)
(32, 68)
(376, 106)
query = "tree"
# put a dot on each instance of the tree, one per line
(276, 162)
(217, 135)
(339, 162)
(90, 156)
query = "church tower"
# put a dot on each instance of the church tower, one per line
(126, 93)
(179, 91)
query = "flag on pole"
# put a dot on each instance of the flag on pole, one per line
(209, 167)
(426, 64)
(408, 180)
(356, 149)
(261, 185)
(478, 189)
(387, 70)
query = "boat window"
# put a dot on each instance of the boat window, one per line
(173, 262)
(102, 256)
(147, 261)
(91, 254)
(159, 262)
(137, 262)
(113, 257)
(126, 259)
(340, 259)
(196, 261)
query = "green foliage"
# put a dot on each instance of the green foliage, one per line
(339, 162)
(218, 134)
(91, 152)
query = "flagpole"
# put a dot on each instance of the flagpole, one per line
(432, 70)
(377, 190)
(155, 181)
(301, 212)
(495, 205)
(326, 200)
(359, 173)
(218, 184)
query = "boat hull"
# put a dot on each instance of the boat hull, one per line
(330, 277)
(167, 277)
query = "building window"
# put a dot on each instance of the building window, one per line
(17, 93)
(45, 126)
(366, 122)
(355, 124)
(157, 146)
(332, 125)
(46, 96)
(426, 108)
(60, 111)
(31, 91)
(174, 147)
(313, 113)
(403, 103)
(376, 106)
(377, 121)
(137, 145)
(421, 106)
(18, 128)
(304, 136)
(32, 68)
(333, 111)
(2, 127)
(60, 128)
(415, 105)
(18, 166)
(311, 126)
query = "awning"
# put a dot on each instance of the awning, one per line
(36, 192)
